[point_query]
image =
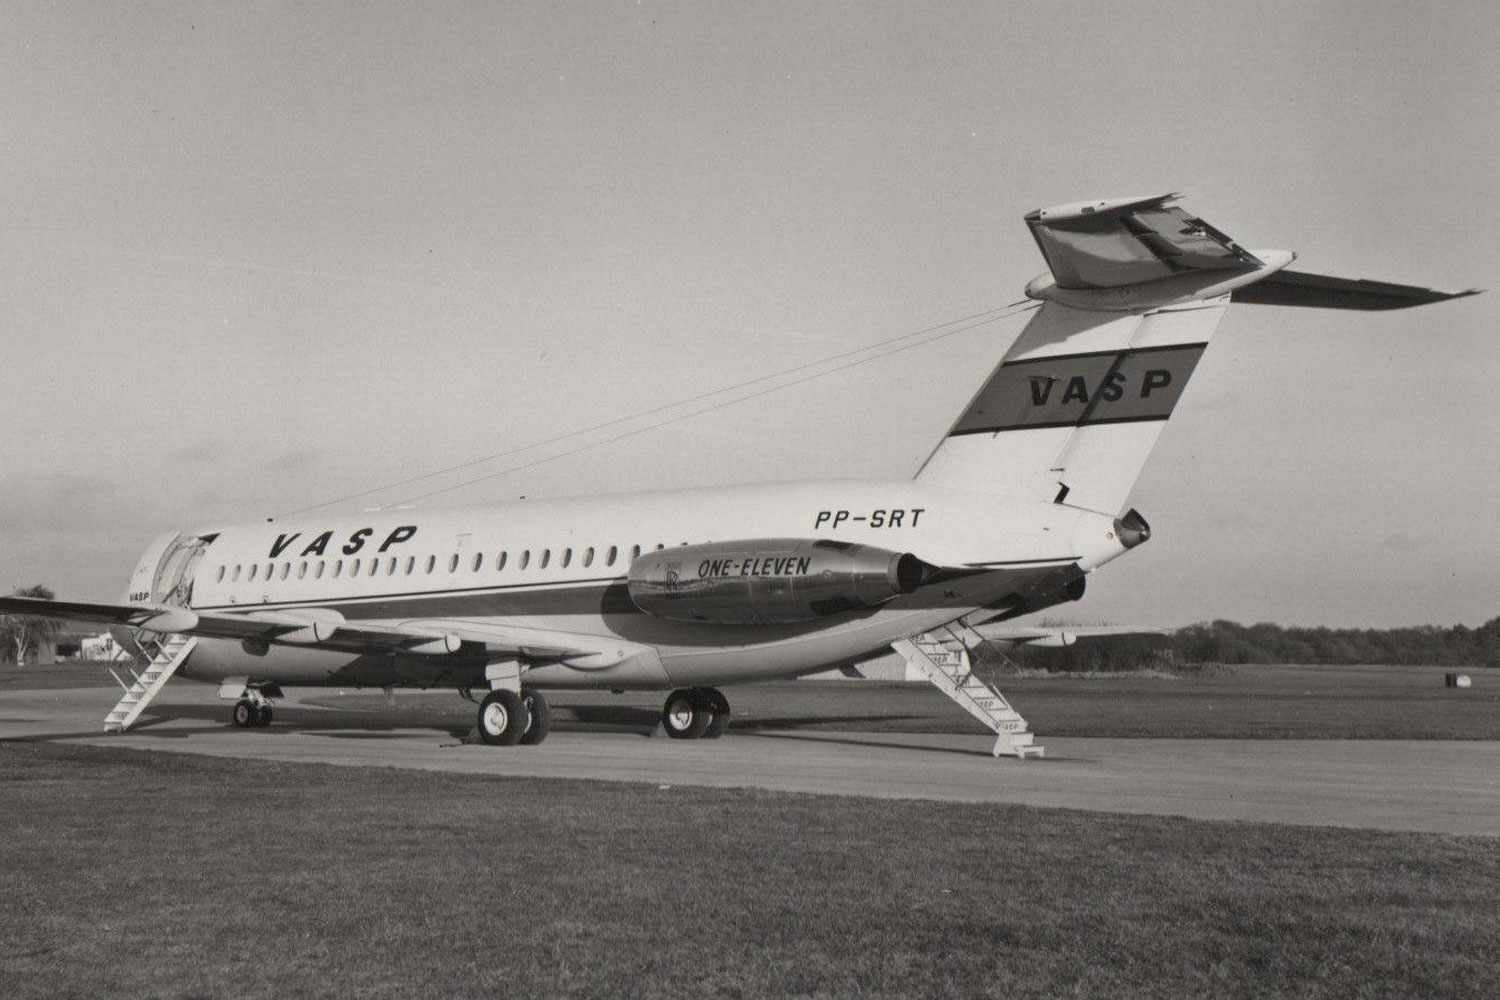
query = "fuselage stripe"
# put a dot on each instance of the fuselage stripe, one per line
(554, 586)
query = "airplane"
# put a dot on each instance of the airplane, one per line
(687, 591)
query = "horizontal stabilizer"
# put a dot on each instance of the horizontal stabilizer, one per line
(1127, 241)
(1298, 288)
(1061, 636)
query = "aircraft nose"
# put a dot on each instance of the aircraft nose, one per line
(1132, 529)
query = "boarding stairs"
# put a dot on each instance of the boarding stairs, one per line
(942, 656)
(167, 654)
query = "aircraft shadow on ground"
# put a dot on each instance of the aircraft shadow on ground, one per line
(394, 724)
(813, 721)
(869, 740)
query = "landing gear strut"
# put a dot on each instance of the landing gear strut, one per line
(695, 713)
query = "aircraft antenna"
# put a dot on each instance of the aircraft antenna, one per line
(962, 324)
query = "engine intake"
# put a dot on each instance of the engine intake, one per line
(770, 581)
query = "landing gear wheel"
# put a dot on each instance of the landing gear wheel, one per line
(263, 715)
(719, 706)
(503, 718)
(541, 717)
(244, 713)
(686, 716)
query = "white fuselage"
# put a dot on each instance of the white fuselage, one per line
(561, 565)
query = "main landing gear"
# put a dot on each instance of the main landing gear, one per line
(695, 713)
(507, 718)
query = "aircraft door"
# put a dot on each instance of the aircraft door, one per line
(173, 582)
(164, 574)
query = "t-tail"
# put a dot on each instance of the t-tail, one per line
(1135, 291)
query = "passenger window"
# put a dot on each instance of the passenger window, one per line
(286, 570)
(236, 577)
(453, 563)
(635, 552)
(431, 563)
(609, 560)
(525, 558)
(659, 546)
(221, 574)
(546, 558)
(254, 570)
(302, 569)
(500, 561)
(478, 561)
(354, 567)
(390, 566)
(318, 573)
(567, 557)
(374, 566)
(411, 564)
(588, 556)
(338, 567)
(270, 569)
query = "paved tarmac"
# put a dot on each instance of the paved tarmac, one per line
(1418, 785)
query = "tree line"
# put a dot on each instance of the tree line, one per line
(1232, 643)
(21, 635)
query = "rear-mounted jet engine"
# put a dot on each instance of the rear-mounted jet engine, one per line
(770, 581)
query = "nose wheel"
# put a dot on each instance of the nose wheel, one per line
(250, 712)
(695, 713)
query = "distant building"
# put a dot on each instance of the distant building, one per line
(99, 647)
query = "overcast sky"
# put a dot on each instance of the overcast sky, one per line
(254, 257)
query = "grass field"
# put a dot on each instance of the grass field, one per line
(133, 874)
(53, 676)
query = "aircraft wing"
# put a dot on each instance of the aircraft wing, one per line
(327, 629)
(1036, 635)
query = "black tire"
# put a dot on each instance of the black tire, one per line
(263, 715)
(243, 714)
(685, 716)
(541, 717)
(502, 718)
(719, 706)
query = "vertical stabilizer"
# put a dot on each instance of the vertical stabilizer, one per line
(1075, 406)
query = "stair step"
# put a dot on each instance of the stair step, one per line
(149, 683)
(949, 671)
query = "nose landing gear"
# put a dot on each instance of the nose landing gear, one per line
(253, 708)
(695, 713)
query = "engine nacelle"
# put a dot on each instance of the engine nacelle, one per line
(770, 580)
